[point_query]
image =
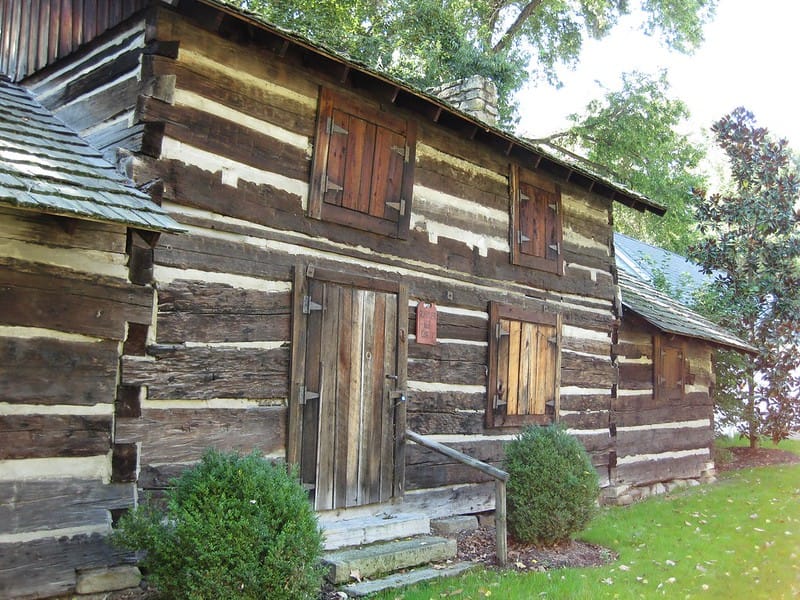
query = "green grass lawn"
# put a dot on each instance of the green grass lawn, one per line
(736, 538)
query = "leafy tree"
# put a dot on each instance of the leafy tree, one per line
(753, 237)
(428, 42)
(633, 132)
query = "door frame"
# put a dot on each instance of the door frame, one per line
(294, 435)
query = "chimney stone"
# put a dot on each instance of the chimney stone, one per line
(476, 96)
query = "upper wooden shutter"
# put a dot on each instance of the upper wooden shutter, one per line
(536, 238)
(524, 366)
(363, 168)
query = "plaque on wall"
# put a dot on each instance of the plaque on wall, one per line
(426, 323)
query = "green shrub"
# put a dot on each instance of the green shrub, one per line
(552, 488)
(233, 527)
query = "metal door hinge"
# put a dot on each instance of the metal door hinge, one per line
(329, 185)
(309, 305)
(398, 206)
(305, 395)
(334, 128)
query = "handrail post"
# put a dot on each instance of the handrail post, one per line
(500, 521)
(500, 477)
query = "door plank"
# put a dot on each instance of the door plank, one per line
(346, 400)
(510, 363)
(366, 470)
(527, 366)
(356, 375)
(310, 424)
(389, 385)
(326, 449)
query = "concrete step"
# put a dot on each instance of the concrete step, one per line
(340, 533)
(398, 580)
(386, 557)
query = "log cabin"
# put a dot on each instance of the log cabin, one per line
(69, 227)
(346, 258)
(663, 407)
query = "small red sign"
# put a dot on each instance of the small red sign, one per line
(426, 323)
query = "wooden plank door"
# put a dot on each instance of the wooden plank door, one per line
(352, 394)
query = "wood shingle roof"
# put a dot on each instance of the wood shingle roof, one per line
(670, 316)
(46, 167)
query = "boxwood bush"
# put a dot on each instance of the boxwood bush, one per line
(552, 486)
(233, 527)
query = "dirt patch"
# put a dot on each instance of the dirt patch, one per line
(479, 546)
(744, 458)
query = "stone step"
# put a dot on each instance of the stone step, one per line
(340, 533)
(397, 580)
(386, 557)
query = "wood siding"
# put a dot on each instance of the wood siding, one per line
(230, 132)
(660, 438)
(37, 33)
(66, 308)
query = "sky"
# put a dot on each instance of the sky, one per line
(750, 58)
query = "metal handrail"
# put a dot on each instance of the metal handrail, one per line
(500, 477)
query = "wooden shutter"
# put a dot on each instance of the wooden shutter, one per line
(363, 166)
(536, 238)
(525, 364)
(670, 369)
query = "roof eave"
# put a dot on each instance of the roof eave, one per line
(398, 92)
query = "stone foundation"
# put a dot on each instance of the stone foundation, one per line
(623, 495)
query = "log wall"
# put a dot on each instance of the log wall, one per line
(659, 441)
(230, 132)
(66, 307)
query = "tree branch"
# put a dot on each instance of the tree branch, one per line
(512, 31)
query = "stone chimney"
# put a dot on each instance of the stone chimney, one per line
(476, 96)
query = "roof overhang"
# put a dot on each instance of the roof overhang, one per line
(669, 316)
(221, 17)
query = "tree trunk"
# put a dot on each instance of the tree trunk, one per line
(752, 415)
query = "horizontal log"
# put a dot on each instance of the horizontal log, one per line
(454, 352)
(47, 567)
(636, 376)
(655, 470)
(241, 94)
(431, 464)
(587, 346)
(34, 228)
(208, 253)
(653, 441)
(27, 506)
(585, 371)
(46, 436)
(203, 373)
(226, 139)
(661, 415)
(34, 295)
(589, 402)
(207, 328)
(181, 435)
(78, 373)
(426, 423)
(587, 420)
(456, 326)
(450, 500)
(693, 401)
(445, 401)
(201, 297)
(448, 372)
